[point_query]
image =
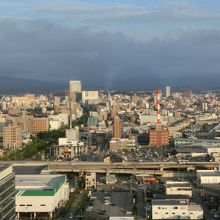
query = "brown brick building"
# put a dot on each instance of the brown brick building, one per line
(117, 127)
(12, 137)
(159, 137)
(38, 125)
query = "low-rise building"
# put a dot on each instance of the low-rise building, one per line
(90, 180)
(208, 176)
(178, 188)
(191, 151)
(122, 143)
(40, 195)
(175, 209)
(69, 151)
(190, 141)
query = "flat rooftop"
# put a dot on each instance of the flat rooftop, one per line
(191, 150)
(4, 166)
(208, 172)
(171, 197)
(191, 206)
(38, 185)
(169, 202)
(184, 185)
(27, 170)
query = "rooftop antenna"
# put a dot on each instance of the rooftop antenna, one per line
(158, 92)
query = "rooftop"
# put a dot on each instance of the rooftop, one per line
(169, 202)
(208, 172)
(4, 166)
(38, 185)
(27, 170)
(183, 185)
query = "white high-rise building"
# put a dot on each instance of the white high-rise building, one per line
(75, 90)
(168, 91)
(75, 86)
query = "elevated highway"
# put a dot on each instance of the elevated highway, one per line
(159, 168)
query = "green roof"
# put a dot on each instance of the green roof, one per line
(41, 192)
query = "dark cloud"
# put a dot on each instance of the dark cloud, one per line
(44, 51)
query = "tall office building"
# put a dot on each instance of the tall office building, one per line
(7, 189)
(117, 128)
(12, 137)
(75, 90)
(168, 91)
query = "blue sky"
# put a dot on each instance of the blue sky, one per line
(133, 44)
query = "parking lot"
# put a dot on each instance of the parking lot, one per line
(110, 203)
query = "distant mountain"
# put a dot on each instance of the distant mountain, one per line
(11, 85)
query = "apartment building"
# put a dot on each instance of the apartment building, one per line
(12, 138)
(158, 137)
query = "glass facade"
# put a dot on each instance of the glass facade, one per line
(7, 196)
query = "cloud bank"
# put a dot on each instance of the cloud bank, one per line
(42, 50)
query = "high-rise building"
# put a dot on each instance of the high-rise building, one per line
(168, 91)
(12, 137)
(159, 137)
(90, 97)
(75, 90)
(7, 189)
(117, 128)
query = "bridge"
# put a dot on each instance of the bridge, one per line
(166, 169)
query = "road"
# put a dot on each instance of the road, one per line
(73, 207)
(198, 199)
(140, 205)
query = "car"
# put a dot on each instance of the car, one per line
(70, 216)
(217, 215)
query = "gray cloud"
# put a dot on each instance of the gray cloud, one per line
(47, 52)
(83, 9)
(172, 12)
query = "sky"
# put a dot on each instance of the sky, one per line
(124, 45)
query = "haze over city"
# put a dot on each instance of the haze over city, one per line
(115, 45)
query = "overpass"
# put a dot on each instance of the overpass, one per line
(157, 168)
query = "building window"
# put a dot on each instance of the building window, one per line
(29, 205)
(42, 205)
